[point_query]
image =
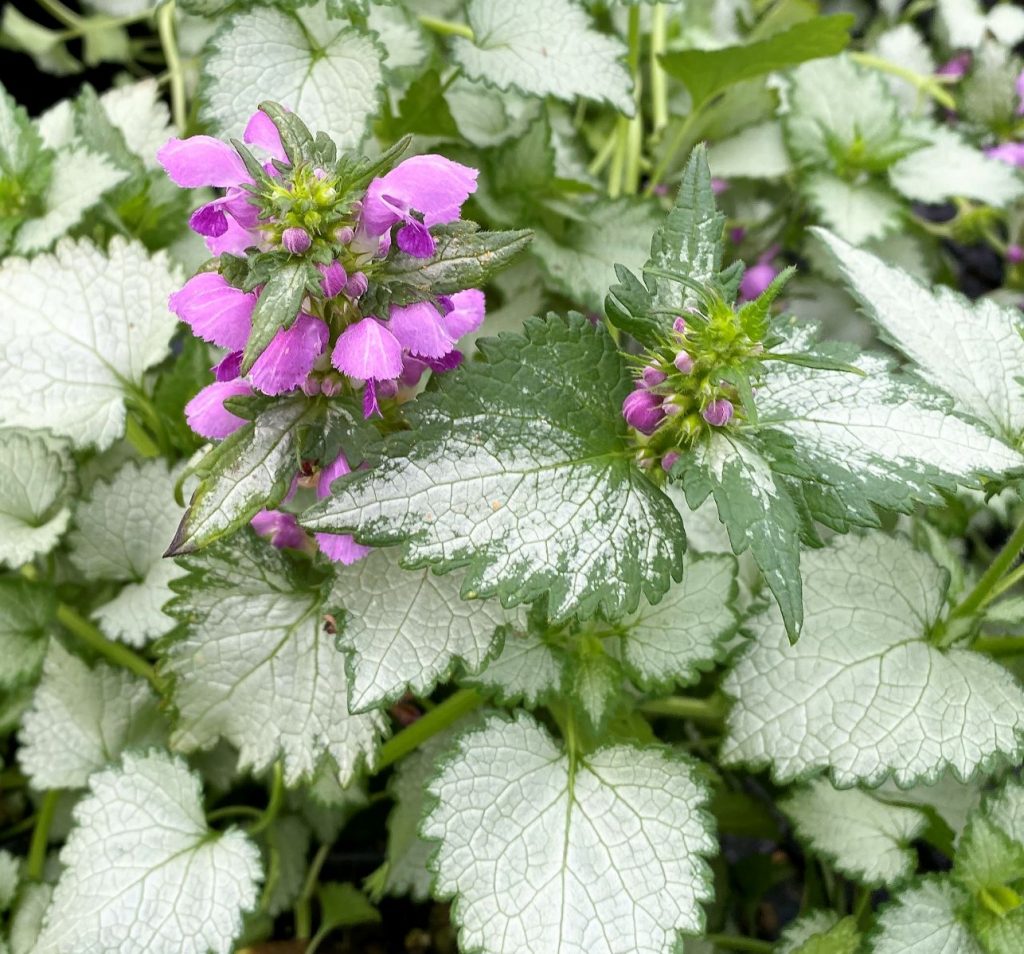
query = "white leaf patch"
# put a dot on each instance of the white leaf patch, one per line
(79, 326)
(971, 350)
(36, 475)
(265, 53)
(865, 838)
(526, 669)
(83, 719)
(144, 874)
(863, 693)
(601, 856)
(671, 642)
(925, 920)
(258, 666)
(544, 48)
(122, 532)
(407, 630)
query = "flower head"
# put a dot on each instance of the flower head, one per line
(759, 276)
(718, 413)
(296, 240)
(642, 409)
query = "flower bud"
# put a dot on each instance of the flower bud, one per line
(671, 407)
(330, 386)
(296, 240)
(679, 325)
(756, 279)
(1015, 254)
(669, 460)
(642, 410)
(683, 363)
(356, 285)
(652, 376)
(344, 235)
(334, 279)
(718, 413)
(311, 386)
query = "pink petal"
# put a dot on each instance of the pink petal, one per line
(205, 413)
(202, 161)
(236, 203)
(341, 547)
(337, 468)
(289, 356)
(261, 131)
(214, 310)
(467, 313)
(234, 241)
(434, 186)
(419, 329)
(368, 350)
(209, 220)
(281, 528)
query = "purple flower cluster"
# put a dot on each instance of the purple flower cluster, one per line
(322, 346)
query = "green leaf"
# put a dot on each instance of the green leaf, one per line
(543, 495)
(328, 71)
(865, 838)
(37, 477)
(257, 665)
(104, 313)
(121, 534)
(82, 719)
(9, 866)
(864, 693)
(593, 682)
(925, 919)
(673, 641)
(619, 861)
(148, 815)
(526, 670)
(277, 307)
(805, 928)
(707, 72)
(406, 631)
(464, 258)
(27, 614)
(841, 938)
(344, 905)
(249, 471)
(991, 851)
(548, 48)
(971, 350)
(24, 161)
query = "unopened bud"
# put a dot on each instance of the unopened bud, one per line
(296, 240)
(344, 235)
(311, 386)
(679, 325)
(718, 413)
(1015, 254)
(356, 285)
(669, 460)
(683, 363)
(642, 410)
(652, 376)
(334, 279)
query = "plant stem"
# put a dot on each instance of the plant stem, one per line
(437, 720)
(446, 27)
(139, 438)
(677, 142)
(659, 78)
(922, 83)
(117, 653)
(101, 23)
(229, 810)
(169, 42)
(984, 589)
(40, 836)
(303, 913)
(58, 11)
(732, 942)
(712, 709)
(274, 804)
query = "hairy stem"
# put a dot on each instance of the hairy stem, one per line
(437, 720)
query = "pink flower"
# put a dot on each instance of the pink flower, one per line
(214, 310)
(433, 186)
(1020, 93)
(956, 67)
(290, 356)
(368, 350)
(683, 362)
(1009, 152)
(718, 413)
(759, 276)
(281, 528)
(206, 414)
(334, 279)
(419, 328)
(643, 410)
(260, 131)
(466, 313)
(341, 548)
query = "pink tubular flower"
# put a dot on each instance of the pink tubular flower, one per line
(718, 413)
(1015, 254)
(683, 362)
(339, 547)
(431, 185)
(465, 312)
(334, 278)
(956, 67)
(206, 414)
(759, 276)
(643, 410)
(1009, 152)
(669, 460)
(290, 356)
(214, 310)
(420, 330)
(652, 376)
(280, 528)
(368, 350)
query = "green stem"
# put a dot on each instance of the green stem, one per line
(999, 645)
(984, 589)
(303, 909)
(117, 653)
(58, 11)
(600, 160)
(437, 720)
(40, 836)
(446, 27)
(677, 142)
(925, 84)
(712, 710)
(659, 78)
(169, 42)
(102, 23)
(1011, 579)
(732, 942)
(618, 158)
(139, 438)
(274, 804)
(230, 811)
